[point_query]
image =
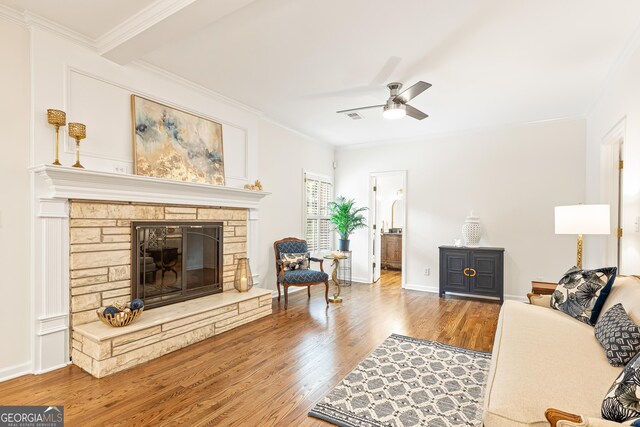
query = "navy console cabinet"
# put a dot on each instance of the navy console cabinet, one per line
(472, 271)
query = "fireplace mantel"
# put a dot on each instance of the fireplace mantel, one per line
(71, 183)
(54, 187)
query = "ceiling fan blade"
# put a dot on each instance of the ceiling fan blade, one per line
(415, 113)
(411, 92)
(361, 108)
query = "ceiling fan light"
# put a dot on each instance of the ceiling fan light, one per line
(394, 112)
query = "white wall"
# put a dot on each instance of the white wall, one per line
(14, 219)
(283, 155)
(512, 177)
(620, 101)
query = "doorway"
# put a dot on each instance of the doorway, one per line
(612, 170)
(388, 220)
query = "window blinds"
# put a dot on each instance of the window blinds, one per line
(318, 230)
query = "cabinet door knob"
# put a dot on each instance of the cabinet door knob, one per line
(466, 271)
(474, 273)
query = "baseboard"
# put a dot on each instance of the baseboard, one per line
(15, 371)
(53, 368)
(362, 280)
(423, 288)
(435, 289)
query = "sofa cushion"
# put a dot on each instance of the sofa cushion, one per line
(625, 290)
(543, 359)
(621, 402)
(582, 293)
(619, 335)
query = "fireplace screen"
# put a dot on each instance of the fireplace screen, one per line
(174, 262)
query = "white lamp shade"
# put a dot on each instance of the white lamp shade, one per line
(583, 219)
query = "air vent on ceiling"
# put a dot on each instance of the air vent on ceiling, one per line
(355, 116)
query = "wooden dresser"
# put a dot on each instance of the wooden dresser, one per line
(391, 252)
(472, 271)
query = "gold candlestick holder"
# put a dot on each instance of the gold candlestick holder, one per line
(79, 132)
(57, 118)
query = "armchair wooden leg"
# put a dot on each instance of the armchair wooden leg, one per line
(278, 285)
(286, 296)
(309, 291)
(326, 291)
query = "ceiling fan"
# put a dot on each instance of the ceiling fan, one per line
(396, 106)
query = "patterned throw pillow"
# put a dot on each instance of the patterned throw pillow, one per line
(619, 335)
(622, 402)
(581, 293)
(295, 261)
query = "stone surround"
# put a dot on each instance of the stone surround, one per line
(100, 248)
(100, 275)
(102, 350)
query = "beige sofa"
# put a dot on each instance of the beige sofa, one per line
(543, 359)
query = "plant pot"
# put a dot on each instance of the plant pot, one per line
(343, 245)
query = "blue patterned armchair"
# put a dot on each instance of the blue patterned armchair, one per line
(309, 277)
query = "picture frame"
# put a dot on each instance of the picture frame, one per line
(170, 143)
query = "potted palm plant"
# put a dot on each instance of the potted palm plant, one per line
(347, 219)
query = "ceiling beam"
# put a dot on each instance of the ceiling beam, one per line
(161, 23)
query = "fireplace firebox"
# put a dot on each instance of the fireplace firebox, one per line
(175, 261)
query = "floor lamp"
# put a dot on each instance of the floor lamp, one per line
(580, 220)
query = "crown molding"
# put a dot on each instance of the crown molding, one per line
(144, 19)
(31, 20)
(34, 20)
(11, 14)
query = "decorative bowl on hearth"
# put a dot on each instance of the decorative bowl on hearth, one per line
(118, 315)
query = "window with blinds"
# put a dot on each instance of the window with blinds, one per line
(318, 230)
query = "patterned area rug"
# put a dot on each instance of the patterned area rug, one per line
(410, 382)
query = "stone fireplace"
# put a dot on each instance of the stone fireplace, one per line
(100, 242)
(92, 227)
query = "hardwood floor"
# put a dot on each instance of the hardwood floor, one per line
(390, 277)
(267, 373)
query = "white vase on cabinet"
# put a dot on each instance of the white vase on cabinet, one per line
(471, 231)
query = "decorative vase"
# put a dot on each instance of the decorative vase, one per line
(343, 245)
(471, 231)
(58, 119)
(243, 280)
(79, 132)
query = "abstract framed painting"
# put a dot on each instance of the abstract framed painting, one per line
(173, 144)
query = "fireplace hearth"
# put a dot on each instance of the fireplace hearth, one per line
(175, 261)
(82, 223)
